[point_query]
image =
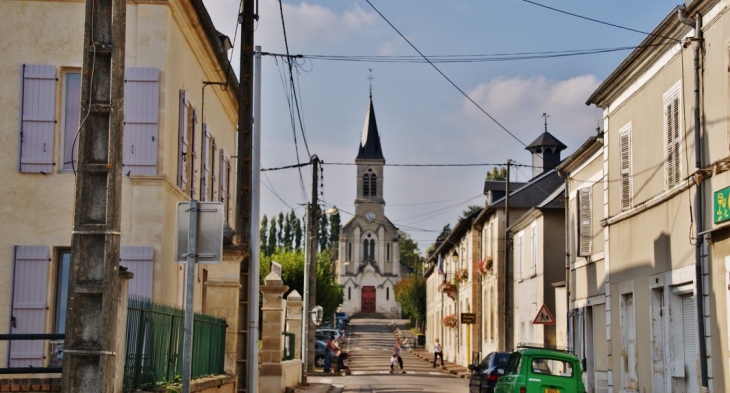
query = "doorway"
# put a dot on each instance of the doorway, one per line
(368, 299)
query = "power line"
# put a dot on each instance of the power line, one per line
(434, 165)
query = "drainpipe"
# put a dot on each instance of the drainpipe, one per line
(569, 324)
(699, 227)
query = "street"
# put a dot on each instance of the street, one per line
(370, 343)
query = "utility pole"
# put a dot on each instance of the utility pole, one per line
(92, 326)
(247, 349)
(312, 250)
(507, 247)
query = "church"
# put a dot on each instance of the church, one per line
(369, 265)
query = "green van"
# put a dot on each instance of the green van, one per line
(541, 370)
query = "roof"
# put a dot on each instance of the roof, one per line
(534, 192)
(370, 141)
(591, 145)
(498, 185)
(546, 139)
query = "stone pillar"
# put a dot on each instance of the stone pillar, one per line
(294, 305)
(124, 277)
(221, 300)
(270, 373)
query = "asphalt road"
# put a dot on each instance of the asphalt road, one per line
(370, 343)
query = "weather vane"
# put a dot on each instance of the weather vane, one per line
(545, 115)
(371, 82)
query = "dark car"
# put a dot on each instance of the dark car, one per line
(486, 374)
(319, 349)
(343, 316)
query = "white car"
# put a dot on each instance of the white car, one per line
(339, 335)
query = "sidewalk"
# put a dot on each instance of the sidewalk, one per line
(427, 356)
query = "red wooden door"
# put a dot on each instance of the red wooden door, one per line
(368, 299)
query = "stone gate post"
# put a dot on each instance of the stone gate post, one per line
(270, 372)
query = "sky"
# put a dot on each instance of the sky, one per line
(422, 115)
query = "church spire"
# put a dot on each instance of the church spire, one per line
(370, 140)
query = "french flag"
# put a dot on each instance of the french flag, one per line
(441, 265)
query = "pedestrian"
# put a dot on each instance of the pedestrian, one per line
(329, 353)
(396, 358)
(437, 353)
(342, 363)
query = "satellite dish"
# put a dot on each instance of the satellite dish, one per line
(317, 313)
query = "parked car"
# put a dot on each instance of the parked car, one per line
(339, 334)
(343, 316)
(536, 369)
(319, 349)
(487, 372)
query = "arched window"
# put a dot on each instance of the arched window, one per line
(387, 293)
(373, 185)
(365, 250)
(366, 185)
(349, 293)
(387, 252)
(372, 249)
(349, 252)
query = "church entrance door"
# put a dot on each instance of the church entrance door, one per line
(368, 299)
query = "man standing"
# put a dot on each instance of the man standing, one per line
(396, 358)
(330, 353)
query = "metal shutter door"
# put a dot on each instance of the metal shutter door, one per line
(139, 260)
(30, 291)
(141, 107)
(38, 109)
(690, 344)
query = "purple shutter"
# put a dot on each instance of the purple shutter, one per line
(139, 260)
(30, 290)
(141, 107)
(38, 108)
(222, 191)
(228, 188)
(212, 169)
(182, 172)
(204, 167)
(193, 156)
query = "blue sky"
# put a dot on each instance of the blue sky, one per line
(422, 118)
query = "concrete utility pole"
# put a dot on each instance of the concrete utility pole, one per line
(507, 247)
(312, 250)
(247, 351)
(92, 328)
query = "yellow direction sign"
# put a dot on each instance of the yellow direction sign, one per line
(544, 317)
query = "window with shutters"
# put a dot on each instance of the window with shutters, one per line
(584, 222)
(192, 153)
(204, 164)
(29, 304)
(38, 118)
(625, 165)
(70, 121)
(139, 260)
(183, 143)
(141, 112)
(533, 249)
(213, 181)
(520, 255)
(672, 137)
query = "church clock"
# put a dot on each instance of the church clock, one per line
(369, 216)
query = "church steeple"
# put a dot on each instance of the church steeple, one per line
(370, 141)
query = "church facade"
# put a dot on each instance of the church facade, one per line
(369, 264)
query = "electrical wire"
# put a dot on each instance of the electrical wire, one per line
(600, 22)
(434, 165)
(233, 44)
(91, 86)
(271, 189)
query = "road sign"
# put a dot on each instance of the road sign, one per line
(209, 243)
(721, 208)
(544, 317)
(468, 318)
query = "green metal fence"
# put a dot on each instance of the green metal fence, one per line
(155, 343)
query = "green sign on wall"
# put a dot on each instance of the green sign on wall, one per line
(721, 210)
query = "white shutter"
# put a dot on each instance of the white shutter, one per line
(673, 140)
(584, 221)
(625, 145)
(690, 344)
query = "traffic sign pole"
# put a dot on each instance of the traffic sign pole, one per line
(189, 288)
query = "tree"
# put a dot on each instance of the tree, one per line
(298, 234)
(288, 231)
(262, 235)
(271, 247)
(335, 234)
(497, 173)
(280, 238)
(445, 232)
(471, 209)
(410, 293)
(322, 236)
(408, 251)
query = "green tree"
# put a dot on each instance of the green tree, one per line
(335, 234)
(471, 209)
(280, 239)
(288, 231)
(271, 247)
(298, 233)
(497, 173)
(322, 232)
(410, 293)
(408, 252)
(262, 235)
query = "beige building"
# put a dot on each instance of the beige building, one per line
(172, 153)
(660, 272)
(585, 331)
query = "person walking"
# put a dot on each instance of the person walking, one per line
(396, 358)
(437, 353)
(330, 352)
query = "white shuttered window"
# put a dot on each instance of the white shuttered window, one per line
(625, 151)
(673, 140)
(584, 221)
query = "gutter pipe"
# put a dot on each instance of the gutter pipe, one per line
(699, 227)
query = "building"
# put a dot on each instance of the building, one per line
(665, 183)
(469, 271)
(172, 152)
(369, 265)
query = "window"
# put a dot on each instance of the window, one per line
(349, 251)
(213, 149)
(366, 185)
(63, 267)
(555, 367)
(204, 163)
(673, 140)
(533, 249)
(372, 249)
(373, 185)
(584, 222)
(387, 293)
(628, 341)
(387, 250)
(70, 112)
(349, 293)
(625, 146)
(520, 255)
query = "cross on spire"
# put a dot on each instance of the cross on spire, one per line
(545, 115)
(371, 82)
